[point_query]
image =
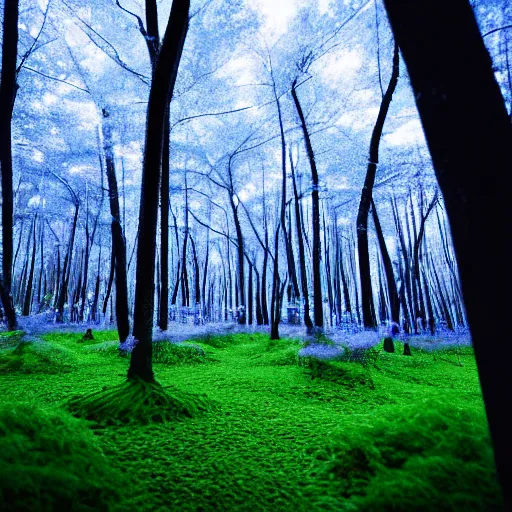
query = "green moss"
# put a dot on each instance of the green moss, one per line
(10, 338)
(340, 372)
(258, 450)
(67, 338)
(136, 401)
(178, 353)
(51, 461)
(426, 456)
(106, 347)
(33, 356)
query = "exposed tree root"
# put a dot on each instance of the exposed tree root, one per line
(137, 401)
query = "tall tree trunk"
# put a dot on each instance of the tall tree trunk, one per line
(264, 306)
(259, 315)
(41, 263)
(240, 258)
(302, 254)
(28, 294)
(394, 300)
(197, 287)
(317, 255)
(118, 240)
(249, 296)
(163, 317)
(328, 270)
(368, 307)
(8, 89)
(346, 293)
(110, 278)
(162, 86)
(63, 295)
(469, 142)
(174, 297)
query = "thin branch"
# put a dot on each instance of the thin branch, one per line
(34, 42)
(506, 27)
(56, 79)
(142, 29)
(113, 53)
(234, 242)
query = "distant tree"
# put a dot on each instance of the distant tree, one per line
(369, 317)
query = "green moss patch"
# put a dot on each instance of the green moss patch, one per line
(349, 375)
(66, 338)
(51, 461)
(178, 353)
(136, 401)
(258, 450)
(426, 456)
(35, 356)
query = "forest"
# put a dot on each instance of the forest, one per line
(252, 254)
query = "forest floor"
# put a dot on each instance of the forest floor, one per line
(289, 433)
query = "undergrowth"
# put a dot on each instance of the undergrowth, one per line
(178, 353)
(425, 456)
(35, 356)
(51, 461)
(340, 372)
(257, 426)
(136, 401)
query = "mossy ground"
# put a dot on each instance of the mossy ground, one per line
(265, 446)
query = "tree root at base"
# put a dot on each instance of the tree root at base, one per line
(137, 401)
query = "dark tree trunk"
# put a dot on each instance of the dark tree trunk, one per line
(249, 297)
(41, 263)
(8, 89)
(197, 277)
(264, 306)
(118, 240)
(259, 315)
(110, 279)
(163, 317)
(205, 268)
(346, 293)
(28, 293)
(302, 254)
(162, 86)
(240, 258)
(63, 295)
(317, 256)
(394, 300)
(469, 141)
(368, 307)
(174, 297)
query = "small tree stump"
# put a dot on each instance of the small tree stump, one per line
(389, 346)
(88, 335)
(407, 350)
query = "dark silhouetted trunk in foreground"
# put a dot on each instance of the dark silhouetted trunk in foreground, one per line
(468, 132)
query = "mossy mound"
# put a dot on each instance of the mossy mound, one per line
(282, 352)
(10, 338)
(424, 457)
(344, 373)
(227, 340)
(107, 347)
(31, 355)
(50, 461)
(178, 353)
(139, 402)
(64, 338)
